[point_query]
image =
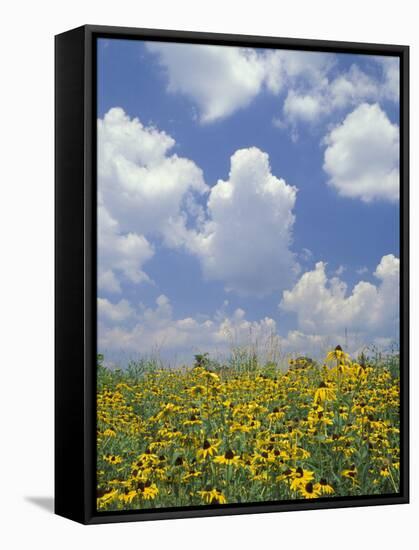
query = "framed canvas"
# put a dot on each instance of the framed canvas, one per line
(231, 274)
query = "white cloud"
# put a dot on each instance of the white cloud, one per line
(352, 87)
(141, 184)
(245, 242)
(219, 79)
(142, 191)
(324, 307)
(242, 238)
(391, 77)
(119, 254)
(222, 79)
(362, 155)
(155, 329)
(304, 107)
(295, 69)
(309, 102)
(114, 312)
(340, 270)
(326, 312)
(306, 254)
(247, 224)
(312, 345)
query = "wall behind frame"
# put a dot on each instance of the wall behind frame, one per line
(26, 217)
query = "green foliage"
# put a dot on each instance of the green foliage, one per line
(246, 430)
(201, 360)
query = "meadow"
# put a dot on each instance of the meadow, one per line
(216, 433)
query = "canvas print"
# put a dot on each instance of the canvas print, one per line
(247, 275)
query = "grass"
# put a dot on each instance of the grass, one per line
(240, 431)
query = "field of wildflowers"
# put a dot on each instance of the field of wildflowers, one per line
(211, 434)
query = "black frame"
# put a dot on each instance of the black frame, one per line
(75, 271)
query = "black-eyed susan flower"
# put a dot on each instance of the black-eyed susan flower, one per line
(362, 408)
(337, 355)
(384, 471)
(212, 496)
(324, 487)
(286, 475)
(127, 496)
(228, 458)
(343, 412)
(308, 490)
(300, 477)
(146, 490)
(191, 474)
(210, 376)
(209, 448)
(246, 412)
(193, 420)
(112, 459)
(350, 473)
(276, 414)
(105, 497)
(197, 390)
(325, 392)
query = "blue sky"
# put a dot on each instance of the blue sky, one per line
(319, 135)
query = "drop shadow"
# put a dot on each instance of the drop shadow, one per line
(46, 503)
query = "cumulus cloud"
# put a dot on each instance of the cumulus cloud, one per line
(297, 342)
(362, 155)
(114, 312)
(304, 107)
(310, 102)
(324, 306)
(154, 329)
(119, 254)
(327, 314)
(222, 79)
(143, 190)
(242, 236)
(352, 87)
(309, 99)
(219, 79)
(141, 184)
(246, 239)
(391, 77)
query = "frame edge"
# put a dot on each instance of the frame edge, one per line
(69, 275)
